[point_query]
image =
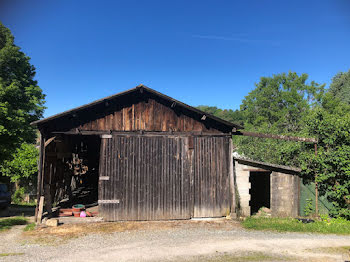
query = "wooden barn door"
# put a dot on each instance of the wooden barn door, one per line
(144, 178)
(211, 163)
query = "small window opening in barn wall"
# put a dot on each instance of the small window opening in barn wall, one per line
(259, 191)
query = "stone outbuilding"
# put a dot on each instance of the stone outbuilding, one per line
(261, 184)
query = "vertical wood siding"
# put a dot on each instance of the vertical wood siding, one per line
(148, 115)
(148, 175)
(211, 176)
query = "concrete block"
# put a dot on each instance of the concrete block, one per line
(243, 191)
(53, 222)
(245, 211)
(245, 198)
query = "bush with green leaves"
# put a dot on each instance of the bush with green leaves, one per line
(309, 207)
(18, 196)
(22, 168)
(330, 123)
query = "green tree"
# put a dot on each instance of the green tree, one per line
(340, 86)
(330, 123)
(233, 116)
(21, 99)
(278, 105)
(22, 166)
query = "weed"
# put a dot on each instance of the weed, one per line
(309, 207)
(29, 227)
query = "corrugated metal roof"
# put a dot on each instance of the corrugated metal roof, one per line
(137, 89)
(267, 166)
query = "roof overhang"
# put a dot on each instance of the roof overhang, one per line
(268, 166)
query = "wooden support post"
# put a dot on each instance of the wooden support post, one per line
(40, 174)
(41, 209)
(232, 182)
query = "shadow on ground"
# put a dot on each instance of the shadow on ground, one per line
(18, 210)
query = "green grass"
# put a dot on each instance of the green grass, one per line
(330, 226)
(7, 223)
(10, 254)
(233, 257)
(29, 227)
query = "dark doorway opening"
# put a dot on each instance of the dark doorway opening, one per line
(86, 170)
(81, 171)
(259, 191)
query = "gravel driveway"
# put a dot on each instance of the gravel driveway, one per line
(172, 241)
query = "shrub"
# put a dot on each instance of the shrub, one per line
(18, 196)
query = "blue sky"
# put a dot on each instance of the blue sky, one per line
(199, 52)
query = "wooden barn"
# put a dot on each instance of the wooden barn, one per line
(139, 155)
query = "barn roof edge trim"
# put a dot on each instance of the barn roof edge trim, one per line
(267, 166)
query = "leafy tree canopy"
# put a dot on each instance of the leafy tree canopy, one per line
(340, 87)
(281, 101)
(278, 105)
(21, 99)
(234, 116)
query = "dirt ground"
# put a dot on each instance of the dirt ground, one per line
(216, 240)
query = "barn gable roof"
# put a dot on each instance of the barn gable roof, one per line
(142, 89)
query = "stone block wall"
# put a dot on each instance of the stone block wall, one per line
(284, 198)
(242, 186)
(284, 194)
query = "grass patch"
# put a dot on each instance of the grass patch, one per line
(10, 254)
(241, 257)
(23, 205)
(333, 250)
(330, 226)
(29, 227)
(7, 223)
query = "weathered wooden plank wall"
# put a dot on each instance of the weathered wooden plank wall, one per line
(147, 178)
(211, 176)
(149, 115)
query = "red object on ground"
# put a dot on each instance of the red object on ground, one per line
(65, 212)
(76, 213)
(78, 207)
